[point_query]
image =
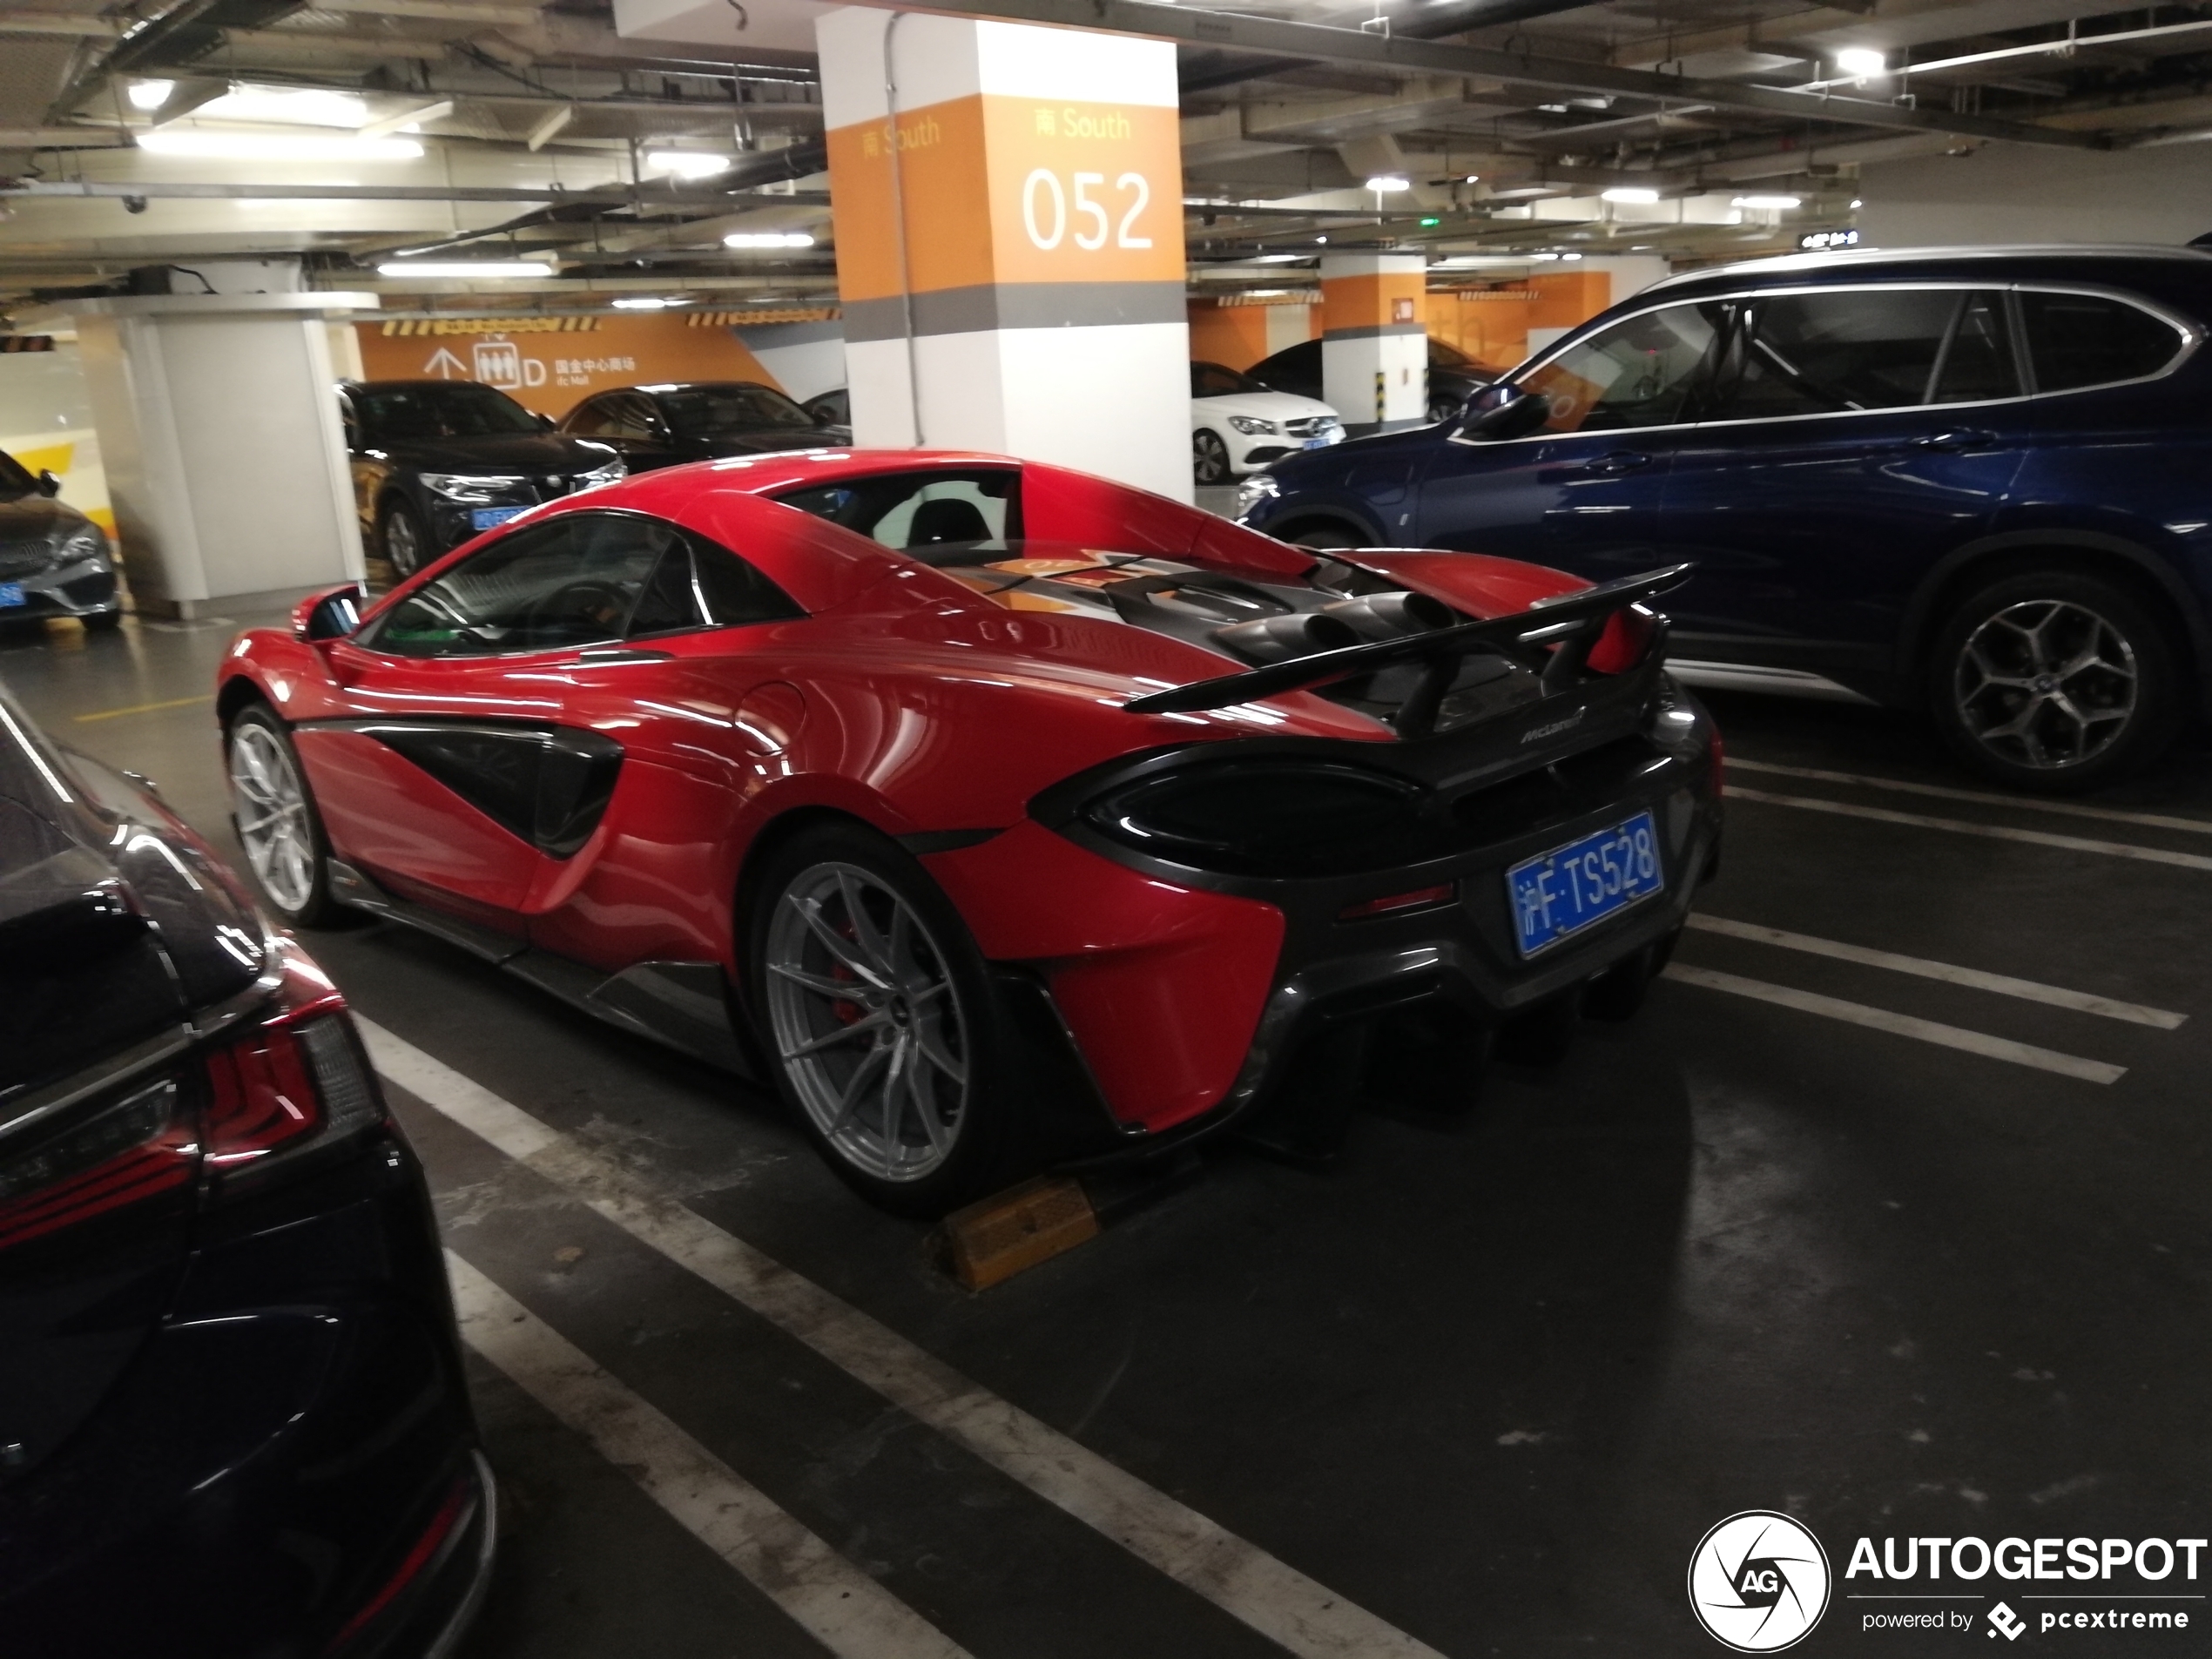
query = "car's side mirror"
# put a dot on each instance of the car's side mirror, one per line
(49, 485)
(332, 614)
(1498, 413)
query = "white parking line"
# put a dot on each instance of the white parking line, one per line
(828, 1597)
(2033, 803)
(1904, 1025)
(1994, 832)
(1290, 1609)
(2003, 984)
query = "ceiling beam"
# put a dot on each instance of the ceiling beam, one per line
(1316, 42)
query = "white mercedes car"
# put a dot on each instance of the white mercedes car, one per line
(1237, 426)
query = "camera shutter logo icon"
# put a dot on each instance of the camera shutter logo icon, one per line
(1759, 1581)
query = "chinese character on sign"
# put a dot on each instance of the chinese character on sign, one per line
(871, 146)
(1047, 124)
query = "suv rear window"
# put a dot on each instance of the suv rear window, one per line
(2077, 340)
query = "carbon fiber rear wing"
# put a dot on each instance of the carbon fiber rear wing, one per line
(1553, 637)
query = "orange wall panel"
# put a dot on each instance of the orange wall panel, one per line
(1569, 298)
(1235, 336)
(552, 364)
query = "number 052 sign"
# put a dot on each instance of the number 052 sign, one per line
(1085, 192)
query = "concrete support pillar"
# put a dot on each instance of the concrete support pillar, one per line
(1374, 338)
(217, 420)
(1009, 213)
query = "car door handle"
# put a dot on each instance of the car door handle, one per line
(1621, 461)
(605, 656)
(1949, 440)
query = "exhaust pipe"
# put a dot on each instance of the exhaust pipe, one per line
(1391, 615)
(1278, 639)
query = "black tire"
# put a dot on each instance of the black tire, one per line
(298, 888)
(1322, 536)
(102, 622)
(1444, 408)
(403, 540)
(2055, 680)
(1210, 459)
(792, 978)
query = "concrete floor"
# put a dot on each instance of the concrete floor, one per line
(1490, 1381)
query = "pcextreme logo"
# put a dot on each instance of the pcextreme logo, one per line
(1758, 1581)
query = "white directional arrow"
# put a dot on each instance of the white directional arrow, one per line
(446, 366)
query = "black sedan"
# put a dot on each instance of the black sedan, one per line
(1453, 377)
(660, 426)
(437, 461)
(54, 561)
(232, 1415)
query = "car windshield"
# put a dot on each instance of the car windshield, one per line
(14, 479)
(1217, 379)
(456, 411)
(705, 411)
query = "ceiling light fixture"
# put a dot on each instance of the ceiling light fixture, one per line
(1383, 182)
(1782, 204)
(489, 268)
(688, 163)
(150, 95)
(1861, 61)
(648, 302)
(272, 146)
(287, 106)
(1631, 195)
(768, 238)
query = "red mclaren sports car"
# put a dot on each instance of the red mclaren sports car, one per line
(995, 815)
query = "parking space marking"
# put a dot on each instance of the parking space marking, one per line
(828, 1597)
(2033, 803)
(1295, 1612)
(2003, 984)
(1994, 832)
(142, 708)
(1904, 1025)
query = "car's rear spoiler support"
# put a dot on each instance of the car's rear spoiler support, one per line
(1553, 636)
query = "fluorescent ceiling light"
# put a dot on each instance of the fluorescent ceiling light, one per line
(150, 95)
(271, 146)
(768, 238)
(648, 302)
(1631, 195)
(1571, 256)
(1784, 203)
(291, 105)
(465, 268)
(1274, 259)
(1382, 181)
(1861, 61)
(689, 164)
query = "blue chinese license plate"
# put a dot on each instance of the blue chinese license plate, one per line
(11, 594)
(482, 518)
(1317, 443)
(1558, 893)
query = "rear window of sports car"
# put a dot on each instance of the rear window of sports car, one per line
(910, 510)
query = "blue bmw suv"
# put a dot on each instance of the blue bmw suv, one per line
(1977, 481)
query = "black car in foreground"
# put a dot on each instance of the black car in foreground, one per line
(54, 561)
(660, 426)
(1453, 377)
(232, 1422)
(437, 462)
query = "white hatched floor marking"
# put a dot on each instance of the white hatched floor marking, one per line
(1904, 1025)
(1994, 832)
(1290, 1609)
(828, 1597)
(2003, 984)
(2032, 803)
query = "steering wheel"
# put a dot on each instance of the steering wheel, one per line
(591, 609)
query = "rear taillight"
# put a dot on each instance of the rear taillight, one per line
(293, 1077)
(117, 1154)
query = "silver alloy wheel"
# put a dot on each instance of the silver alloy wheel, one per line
(402, 547)
(271, 807)
(867, 1022)
(1210, 458)
(2045, 683)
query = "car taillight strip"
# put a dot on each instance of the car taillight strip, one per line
(418, 1556)
(131, 1150)
(260, 1096)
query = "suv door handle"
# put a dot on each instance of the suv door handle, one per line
(1621, 461)
(1964, 439)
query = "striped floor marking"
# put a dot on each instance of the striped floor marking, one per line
(1994, 832)
(2003, 984)
(2032, 803)
(1904, 1025)
(824, 1594)
(1295, 1612)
